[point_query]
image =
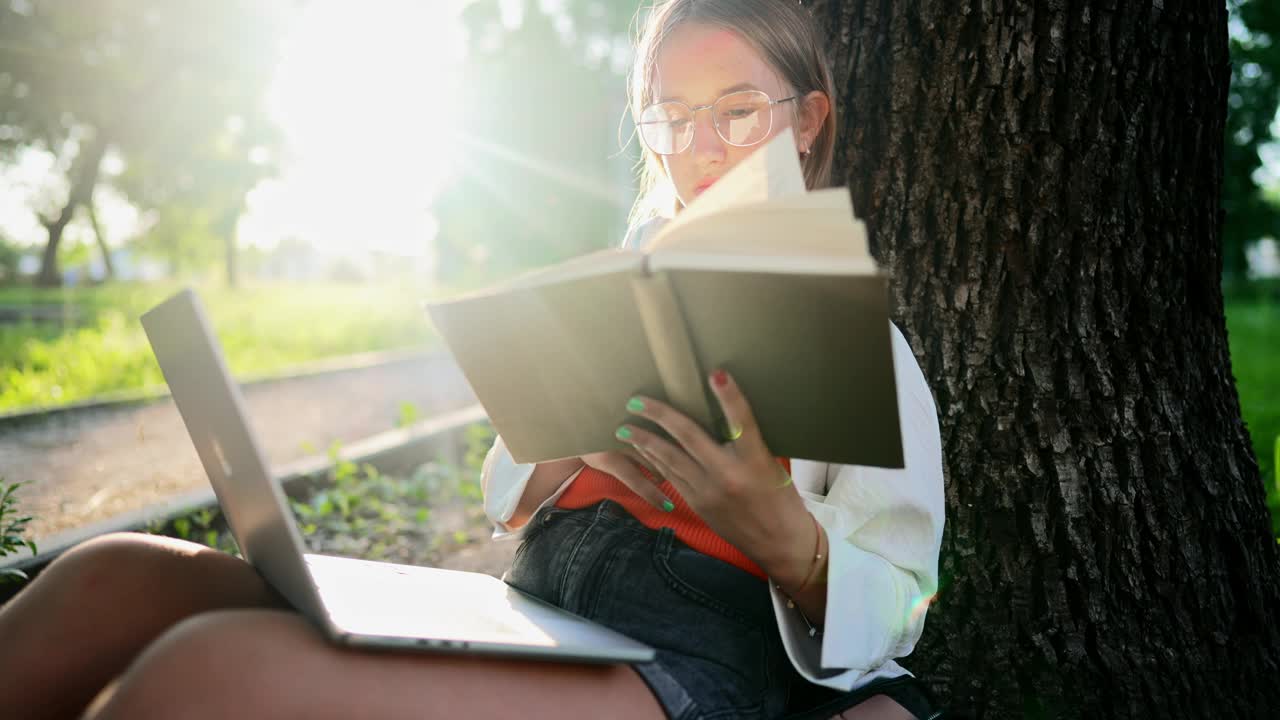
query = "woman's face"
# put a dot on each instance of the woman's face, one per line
(698, 64)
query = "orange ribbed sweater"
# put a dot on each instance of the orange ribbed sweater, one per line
(592, 486)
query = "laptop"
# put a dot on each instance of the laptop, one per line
(354, 602)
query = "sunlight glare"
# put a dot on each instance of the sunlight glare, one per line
(365, 96)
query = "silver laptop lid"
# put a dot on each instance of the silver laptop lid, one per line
(212, 408)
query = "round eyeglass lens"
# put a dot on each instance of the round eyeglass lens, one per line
(743, 118)
(666, 128)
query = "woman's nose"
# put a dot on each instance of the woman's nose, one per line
(708, 146)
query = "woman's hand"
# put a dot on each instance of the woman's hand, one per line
(625, 465)
(736, 486)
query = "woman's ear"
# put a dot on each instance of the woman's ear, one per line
(813, 112)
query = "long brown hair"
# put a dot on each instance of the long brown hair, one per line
(781, 31)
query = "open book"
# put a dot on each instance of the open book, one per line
(759, 277)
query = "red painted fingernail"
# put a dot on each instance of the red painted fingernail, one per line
(720, 378)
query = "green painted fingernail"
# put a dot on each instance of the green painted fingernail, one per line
(623, 433)
(668, 506)
(635, 404)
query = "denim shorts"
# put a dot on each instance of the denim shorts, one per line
(719, 654)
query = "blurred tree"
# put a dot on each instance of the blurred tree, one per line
(540, 176)
(1251, 112)
(8, 260)
(184, 236)
(174, 88)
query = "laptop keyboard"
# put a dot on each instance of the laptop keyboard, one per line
(375, 598)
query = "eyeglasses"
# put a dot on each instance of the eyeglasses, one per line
(740, 118)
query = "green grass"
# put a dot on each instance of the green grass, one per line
(263, 329)
(1253, 330)
(356, 510)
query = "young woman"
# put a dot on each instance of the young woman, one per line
(752, 582)
(765, 584)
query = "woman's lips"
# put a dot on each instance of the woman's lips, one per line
(703, 184)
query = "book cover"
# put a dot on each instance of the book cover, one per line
(757, 277)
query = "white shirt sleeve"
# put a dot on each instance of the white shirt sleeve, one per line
(504, 481)
(885, 532)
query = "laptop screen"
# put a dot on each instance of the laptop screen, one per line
(213, 409)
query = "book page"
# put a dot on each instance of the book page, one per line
(770, 173)
(817, 224)
(600, 262)
(777, 264)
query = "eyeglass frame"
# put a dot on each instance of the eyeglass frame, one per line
(693, 114)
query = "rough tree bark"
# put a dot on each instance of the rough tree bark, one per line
(1042, 178)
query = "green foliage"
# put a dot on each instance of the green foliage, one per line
(263, 329)
(1253, 330)
(409, 415)
(205, 526)
(174, 88)
(1251, 111)
(478, 438)
(9, 255)
(360, 511)
(12, 528)
(187, 238)
(355, 510)
(543, 179)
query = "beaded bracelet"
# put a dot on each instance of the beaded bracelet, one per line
(817, 556)
(817, 563)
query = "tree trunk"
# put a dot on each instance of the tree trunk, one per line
(50, 275)
(227, 228)
(1043, 181)
(232, 279)
(107, 265)
(83, 179)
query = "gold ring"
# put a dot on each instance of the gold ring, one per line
(784, 484)
(735, 431)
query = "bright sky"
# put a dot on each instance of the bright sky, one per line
(365, 97)
(367, 103)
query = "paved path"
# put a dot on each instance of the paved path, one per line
(88, 465)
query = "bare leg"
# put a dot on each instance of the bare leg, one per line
(89, 614)
(272, 664)
(876, 707)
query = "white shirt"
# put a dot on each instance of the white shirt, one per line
(885, 530)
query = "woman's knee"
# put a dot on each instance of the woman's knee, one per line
(124, 553)
(125, 559)
(163, 566)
